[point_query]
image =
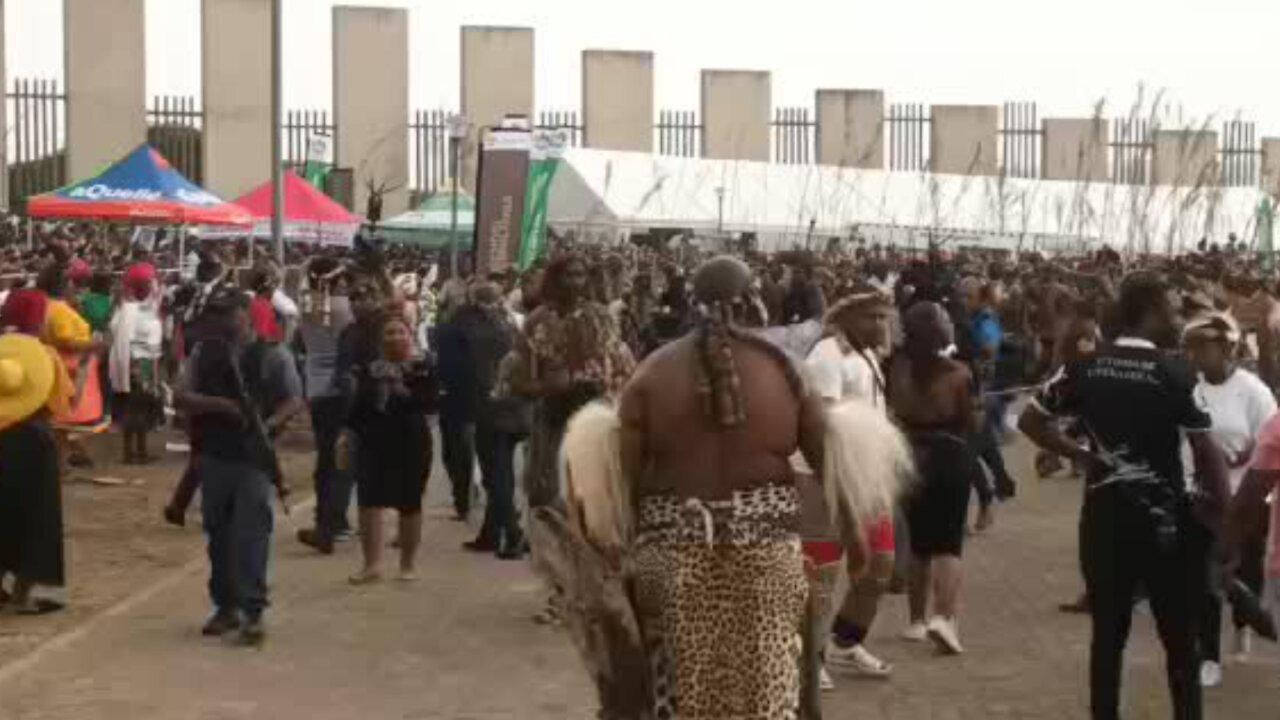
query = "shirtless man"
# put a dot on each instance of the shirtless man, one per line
(708, 425)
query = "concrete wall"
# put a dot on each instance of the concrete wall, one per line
(617, 100)
(497, 80)
(1271, 165)
(1075, 149)
(237, 95)
(851, 128)
(105, 65)
(735, 114)
(1185, 157)
(371, 100)
(963, 139)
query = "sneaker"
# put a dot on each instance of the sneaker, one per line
(825, 683)
(253, 633)
(1210, 674)
(222, 622)
(1242, 648)
(943, 634)
(916, 632)
(858, 660)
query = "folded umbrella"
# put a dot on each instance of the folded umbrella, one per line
(1250, 609)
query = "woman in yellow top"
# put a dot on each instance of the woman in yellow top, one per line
(70, 335)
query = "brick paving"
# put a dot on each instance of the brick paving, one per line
(459, 644)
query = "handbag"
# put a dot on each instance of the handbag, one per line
(509, 415)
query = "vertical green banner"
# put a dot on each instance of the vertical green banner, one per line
(544, 161)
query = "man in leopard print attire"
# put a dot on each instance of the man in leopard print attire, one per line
(708, 423)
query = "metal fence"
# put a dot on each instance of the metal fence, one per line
(910, 128)
(1241, 154)
(299, 127)
(36, 137)
(793, 136)
(679, 133)
(566, 120)
(175, 127)
(1131, 149)
(431, 167)
(1020, 140)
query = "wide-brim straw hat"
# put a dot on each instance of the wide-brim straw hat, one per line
(26, 378)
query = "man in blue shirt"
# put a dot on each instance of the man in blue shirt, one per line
(987, 335)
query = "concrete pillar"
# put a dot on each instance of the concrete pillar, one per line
(371, 101)
(617, 100)
(963, 140)
(497, 80)
(1271, 166)
(237, 95)
(851, 128)
(735, 114)
(106, 69)
(1186, 158)
(1074, 149)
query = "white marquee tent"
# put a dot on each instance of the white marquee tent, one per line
(607, 196)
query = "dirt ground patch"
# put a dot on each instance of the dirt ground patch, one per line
(116, 541)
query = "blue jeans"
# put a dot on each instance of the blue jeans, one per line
(496, 452)
(457, 438)
(236, 505)
(333, 486)
(987, 445)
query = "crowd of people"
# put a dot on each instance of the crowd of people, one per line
(733, 391)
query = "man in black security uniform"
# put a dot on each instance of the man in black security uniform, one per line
(1134, 402)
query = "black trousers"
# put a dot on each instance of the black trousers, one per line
(1253, 555)
(496, 451)
(1121, 549)
(457, 435)
(333, 486)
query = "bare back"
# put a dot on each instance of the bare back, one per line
(677, 449)
(944, 401)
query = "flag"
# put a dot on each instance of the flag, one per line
(500, 199)
(316, 170)
(544, 161)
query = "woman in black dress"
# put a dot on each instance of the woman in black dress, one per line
(30, 487)
(394, 395)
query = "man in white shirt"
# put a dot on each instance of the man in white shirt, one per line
(844, 366)
(1240, 405)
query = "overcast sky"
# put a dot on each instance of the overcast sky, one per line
(1213, 59)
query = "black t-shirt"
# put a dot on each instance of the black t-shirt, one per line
(1134, 402)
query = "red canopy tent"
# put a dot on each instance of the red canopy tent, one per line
(309, 215)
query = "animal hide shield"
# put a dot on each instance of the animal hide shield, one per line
(582, 554)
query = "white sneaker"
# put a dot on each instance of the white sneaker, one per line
(916, 632)
(1243, 646)
(858, 660)
(825, 683)
(1210, 674)
(943, 634)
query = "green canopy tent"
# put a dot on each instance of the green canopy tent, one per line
(428, 226)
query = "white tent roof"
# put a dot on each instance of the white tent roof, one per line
(604, 192)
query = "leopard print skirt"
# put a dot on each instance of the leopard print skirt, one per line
(720, 589)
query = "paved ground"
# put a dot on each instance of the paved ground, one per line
(459, 645)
